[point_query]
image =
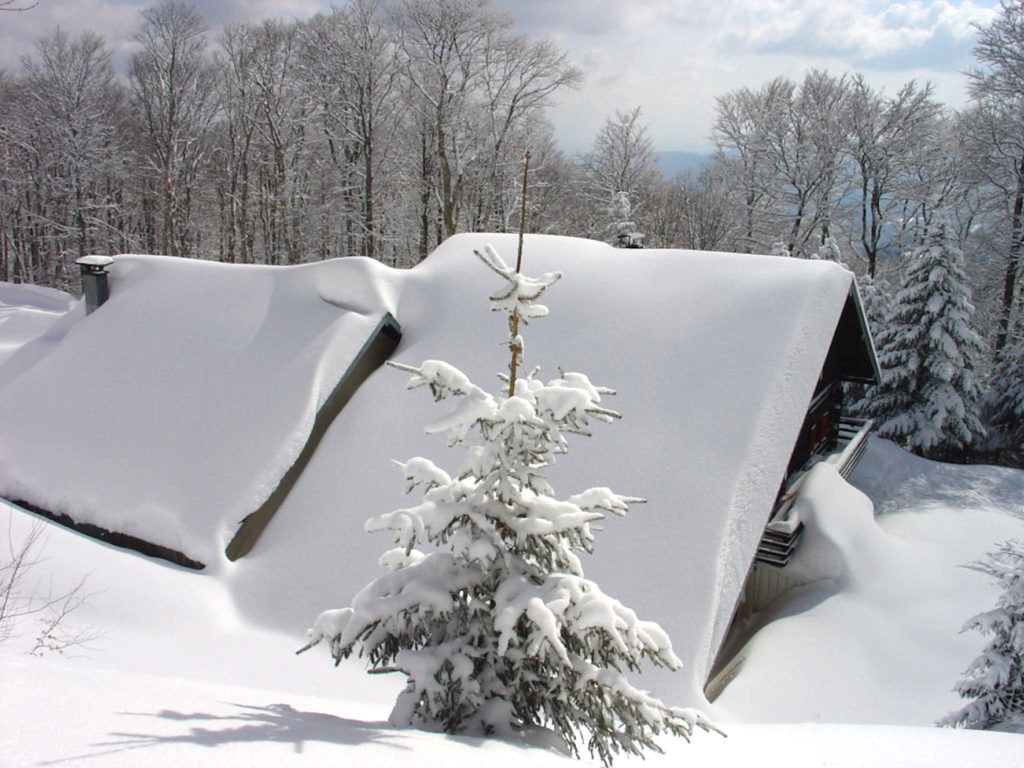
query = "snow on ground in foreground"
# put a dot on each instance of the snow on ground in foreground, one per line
(181, 678)
(167, 722)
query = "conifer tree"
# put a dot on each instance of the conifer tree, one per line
(928, 397)
(1003, 405)
(876, 299)
(621, 229)
(829, 250)
(994, 682)
(493, 623)
(876, 296)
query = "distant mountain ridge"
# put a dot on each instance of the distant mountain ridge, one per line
(673, 162)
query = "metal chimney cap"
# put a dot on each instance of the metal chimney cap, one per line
(94, 262)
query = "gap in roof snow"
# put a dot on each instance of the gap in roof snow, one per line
(205, 382)
(114, 538)
(378, 347)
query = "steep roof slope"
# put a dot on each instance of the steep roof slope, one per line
(715, 357)
(173, 411)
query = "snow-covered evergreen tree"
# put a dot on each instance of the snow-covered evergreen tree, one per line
(621, 229)
(829, 250)
(493, 623)
(928, 397)
(1003, 404)
(876, 299)
(994, 682)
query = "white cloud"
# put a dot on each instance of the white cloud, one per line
(932, 34)
(563, 19)
(671, 57)
(116, 21)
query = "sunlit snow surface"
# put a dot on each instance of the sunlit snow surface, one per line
(31, 313)
(198, 668)
(181, 678)
(171, 412)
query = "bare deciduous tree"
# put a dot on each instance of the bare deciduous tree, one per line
(995, 129)
(62, 134)
(621, 160)
(23, 596)
(173, 88)
(886, 136)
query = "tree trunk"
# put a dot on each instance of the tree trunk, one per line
(1013, 262)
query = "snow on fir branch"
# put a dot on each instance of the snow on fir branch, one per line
(994, 682)
(484, 606)
(929, 352)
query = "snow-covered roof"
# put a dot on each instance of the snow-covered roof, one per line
(173, 411)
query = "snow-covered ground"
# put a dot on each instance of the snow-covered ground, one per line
(850, 670)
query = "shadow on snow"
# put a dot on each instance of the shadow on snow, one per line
(274, 723)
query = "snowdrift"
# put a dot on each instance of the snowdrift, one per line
(173, 411)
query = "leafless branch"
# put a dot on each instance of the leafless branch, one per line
(12, 5)
(20, 600)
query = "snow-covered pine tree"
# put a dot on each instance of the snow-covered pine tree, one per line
(1003, 404)
(494, 624)
(876, 298)
(621, 229)
(928, 397)
(829, 250)
(994, 682)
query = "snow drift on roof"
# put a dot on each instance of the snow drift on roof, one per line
(29, 313)
(175, 408)
(173, 411)
(715, 358)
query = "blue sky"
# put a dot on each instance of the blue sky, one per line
(670, 57)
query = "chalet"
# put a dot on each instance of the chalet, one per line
(234, 418)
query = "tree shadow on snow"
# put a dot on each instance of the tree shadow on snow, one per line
(274, 723)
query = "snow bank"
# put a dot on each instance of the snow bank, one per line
(162, 722)
(881, 623)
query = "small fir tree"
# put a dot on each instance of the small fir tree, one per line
(621, 229)
(1003, 404)
(994, 682)
(829, 250)
(494, 624)
(928, 397)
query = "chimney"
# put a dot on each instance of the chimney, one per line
(94, 280)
